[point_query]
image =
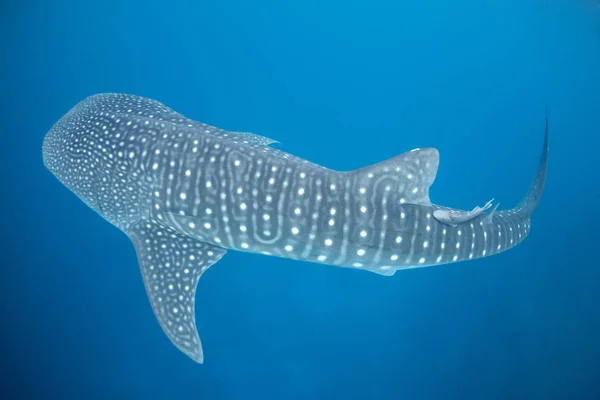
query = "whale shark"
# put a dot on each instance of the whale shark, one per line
(186, 192)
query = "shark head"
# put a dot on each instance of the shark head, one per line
(90, 151)
(72, 157)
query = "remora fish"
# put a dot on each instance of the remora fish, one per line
(186, 192)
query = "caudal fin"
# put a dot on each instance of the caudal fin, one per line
(531, 200)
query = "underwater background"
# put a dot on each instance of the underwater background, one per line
(344, 84)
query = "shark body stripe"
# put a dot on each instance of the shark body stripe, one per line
(186, 192)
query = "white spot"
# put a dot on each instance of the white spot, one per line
(192, 225)
(244, 245)
(457, 245)
(357, 265)
(288, 248)
(295, 230)
(363, 209)
(398, 239)
(363, 233)
(425, 244)
(331, 222)
(363, 190)
(361, 252)
(243, 206)
(243, 228)
(394, 257)
(183, 196)
(236, 163)
(421, 260)
(297, 211)
(266, 217)
(328, 242)
(454, 258)
(207, 225)
(188, 172)
(332, 211)
(301, 191)
(322, 258)
(332, 186)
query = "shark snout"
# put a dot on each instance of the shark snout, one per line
(47, 151)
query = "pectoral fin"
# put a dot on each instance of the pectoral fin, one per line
(171, 266)
(252, 138)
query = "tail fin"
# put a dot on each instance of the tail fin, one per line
(532, 199)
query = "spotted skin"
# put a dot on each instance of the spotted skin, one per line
(186, 192)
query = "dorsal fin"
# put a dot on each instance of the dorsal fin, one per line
(411, 174)
(487, 218)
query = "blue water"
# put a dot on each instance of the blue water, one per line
(344, 84)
